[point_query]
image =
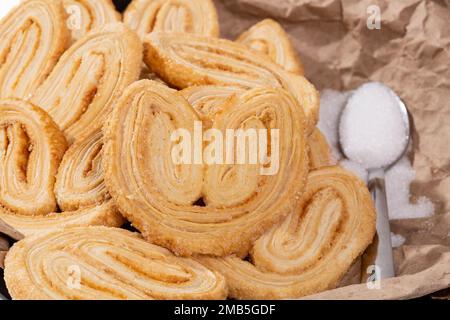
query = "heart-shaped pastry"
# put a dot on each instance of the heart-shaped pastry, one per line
(80, 183)
(33, 36)
(313, 248)
(83, 87)
(203, 207)
(104, 263)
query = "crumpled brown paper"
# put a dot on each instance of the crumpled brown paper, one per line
(410, 53)
(408, 285)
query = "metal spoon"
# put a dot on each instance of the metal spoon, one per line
(376, 182)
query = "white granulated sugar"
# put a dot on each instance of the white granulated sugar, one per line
(397, 240)
(331, 105)
(356, 168)
(398, 180)
(372, 131)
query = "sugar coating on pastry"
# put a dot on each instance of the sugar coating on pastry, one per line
(104, 263)
(189, 60)
(313, 248)
(183, 16)
(33, 37)
(269, 37)
(159, 196)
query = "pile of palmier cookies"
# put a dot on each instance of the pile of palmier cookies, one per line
(89, 100)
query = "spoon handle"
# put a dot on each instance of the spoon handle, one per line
(384, 259)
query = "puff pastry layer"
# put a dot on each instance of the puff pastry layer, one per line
(80, 182)
(189, 16)
(159, 197)
(33, 36)
(208, 101)
(313, 248)
(104, 214)
(31, 148)
(83, 87)
(189, 60)
(269, 37)
(86, 15)
(319, 150)
(104, 263)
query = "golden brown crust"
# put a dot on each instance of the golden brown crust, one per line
(313, 248)
(104, 214)
(86, 15)
(189, 16)
(33, 36)
(31, 148)
(83, 87)
(79, 182)
(159, 197)
(104, 263)
(319, 150)
(269, 37)
(190, 60)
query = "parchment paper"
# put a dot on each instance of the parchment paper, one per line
(410, 53)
